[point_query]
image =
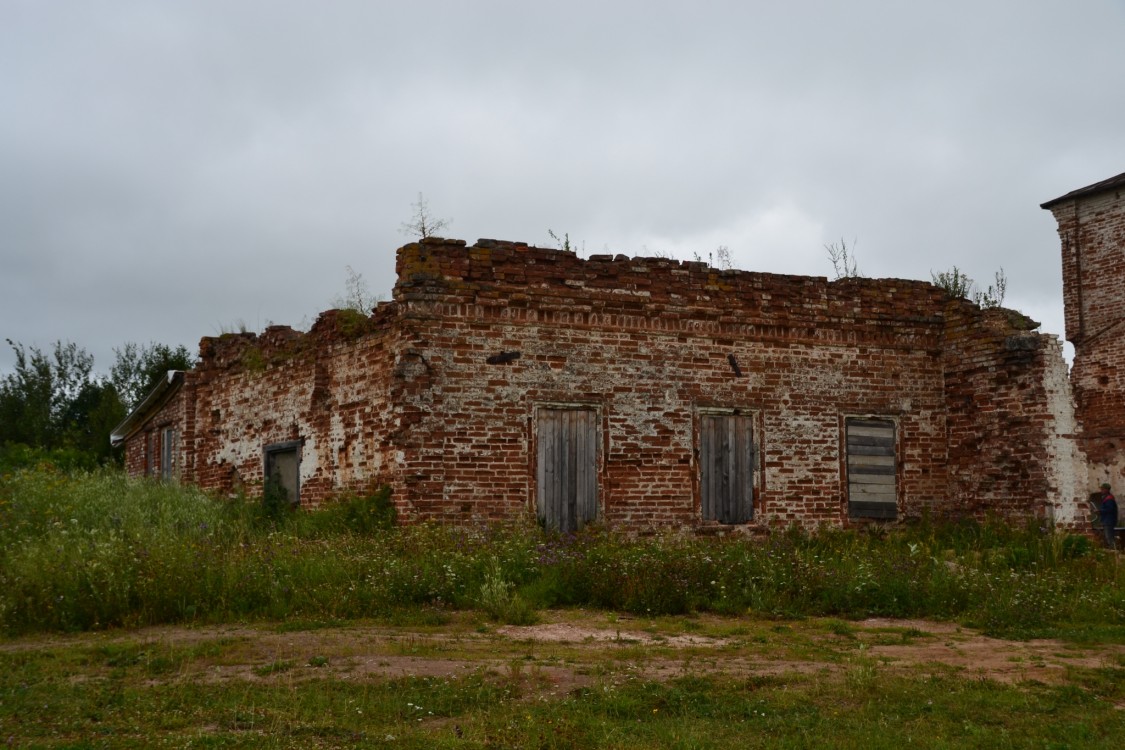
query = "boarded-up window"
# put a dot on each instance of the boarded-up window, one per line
(726, 467)
(283, 464)
(150, 452)
(566, 471)
(872, 492)
(167, 453)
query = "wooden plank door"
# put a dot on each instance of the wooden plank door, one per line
(726, 467)
(566, 471)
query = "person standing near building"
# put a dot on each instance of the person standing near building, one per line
(1107, 512)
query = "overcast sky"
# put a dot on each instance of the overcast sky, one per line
(171, 170)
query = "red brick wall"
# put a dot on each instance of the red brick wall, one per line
(1092, 233)
(647, 343)
(327, 388)
(1002, 416)
(436, 394)
(144, 448)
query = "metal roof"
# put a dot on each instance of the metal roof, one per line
(1097, 187)
(156, 398)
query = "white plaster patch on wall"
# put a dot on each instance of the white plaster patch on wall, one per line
(1067, 466)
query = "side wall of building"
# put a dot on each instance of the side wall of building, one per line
(450, 394)
(1092, 233)
(650, 345)
(324, 394)
(157, 449)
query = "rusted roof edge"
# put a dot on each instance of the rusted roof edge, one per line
(156, 398)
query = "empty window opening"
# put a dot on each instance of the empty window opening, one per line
(282, 471)
(726, 467)
(566, 469)
(872, 468)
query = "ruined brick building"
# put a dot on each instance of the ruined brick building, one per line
(505, 380)
(1092, 232)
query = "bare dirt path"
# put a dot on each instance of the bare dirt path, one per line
(574, 648)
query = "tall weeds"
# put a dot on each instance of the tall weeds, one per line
(100, 550)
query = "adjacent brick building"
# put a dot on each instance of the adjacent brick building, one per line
(505, 380)
(1091, 224)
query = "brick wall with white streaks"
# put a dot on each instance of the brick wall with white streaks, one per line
(1092, 234)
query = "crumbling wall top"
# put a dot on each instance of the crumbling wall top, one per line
(513, 271)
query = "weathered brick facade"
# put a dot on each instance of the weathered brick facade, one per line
(156, 445)
(1091, 223)
(450, 394)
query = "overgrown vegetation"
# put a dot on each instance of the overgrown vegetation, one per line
(957, 283)
(99, 550)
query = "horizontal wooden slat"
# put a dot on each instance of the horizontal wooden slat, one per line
(853, 439)
(870, 427)
(878, 479)
(871, 450)
(871, 493)
(864, 461)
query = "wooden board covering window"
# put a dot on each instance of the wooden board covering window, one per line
(566, 470)
(726, 467)
(283, 465)
(167, 453)
(872, 468)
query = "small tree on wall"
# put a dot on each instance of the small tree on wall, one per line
(357, 295)
(422, 223)
(843, 259)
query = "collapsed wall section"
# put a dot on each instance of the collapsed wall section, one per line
(1012, 449)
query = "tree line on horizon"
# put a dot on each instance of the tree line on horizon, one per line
(54, 406)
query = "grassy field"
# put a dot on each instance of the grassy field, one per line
(578, 679)
(142, 615)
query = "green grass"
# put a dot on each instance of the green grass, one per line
(115, 695)
(94, 551)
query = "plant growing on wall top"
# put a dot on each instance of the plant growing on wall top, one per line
(357, 296)
(563, 243)
(957, 283)
(843, 259)
(422, 223)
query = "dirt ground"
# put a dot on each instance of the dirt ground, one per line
(571, 649)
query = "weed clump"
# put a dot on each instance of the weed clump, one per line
(498, 598)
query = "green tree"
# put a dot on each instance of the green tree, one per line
(55, 405)
(38, 399)
(137, 368)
